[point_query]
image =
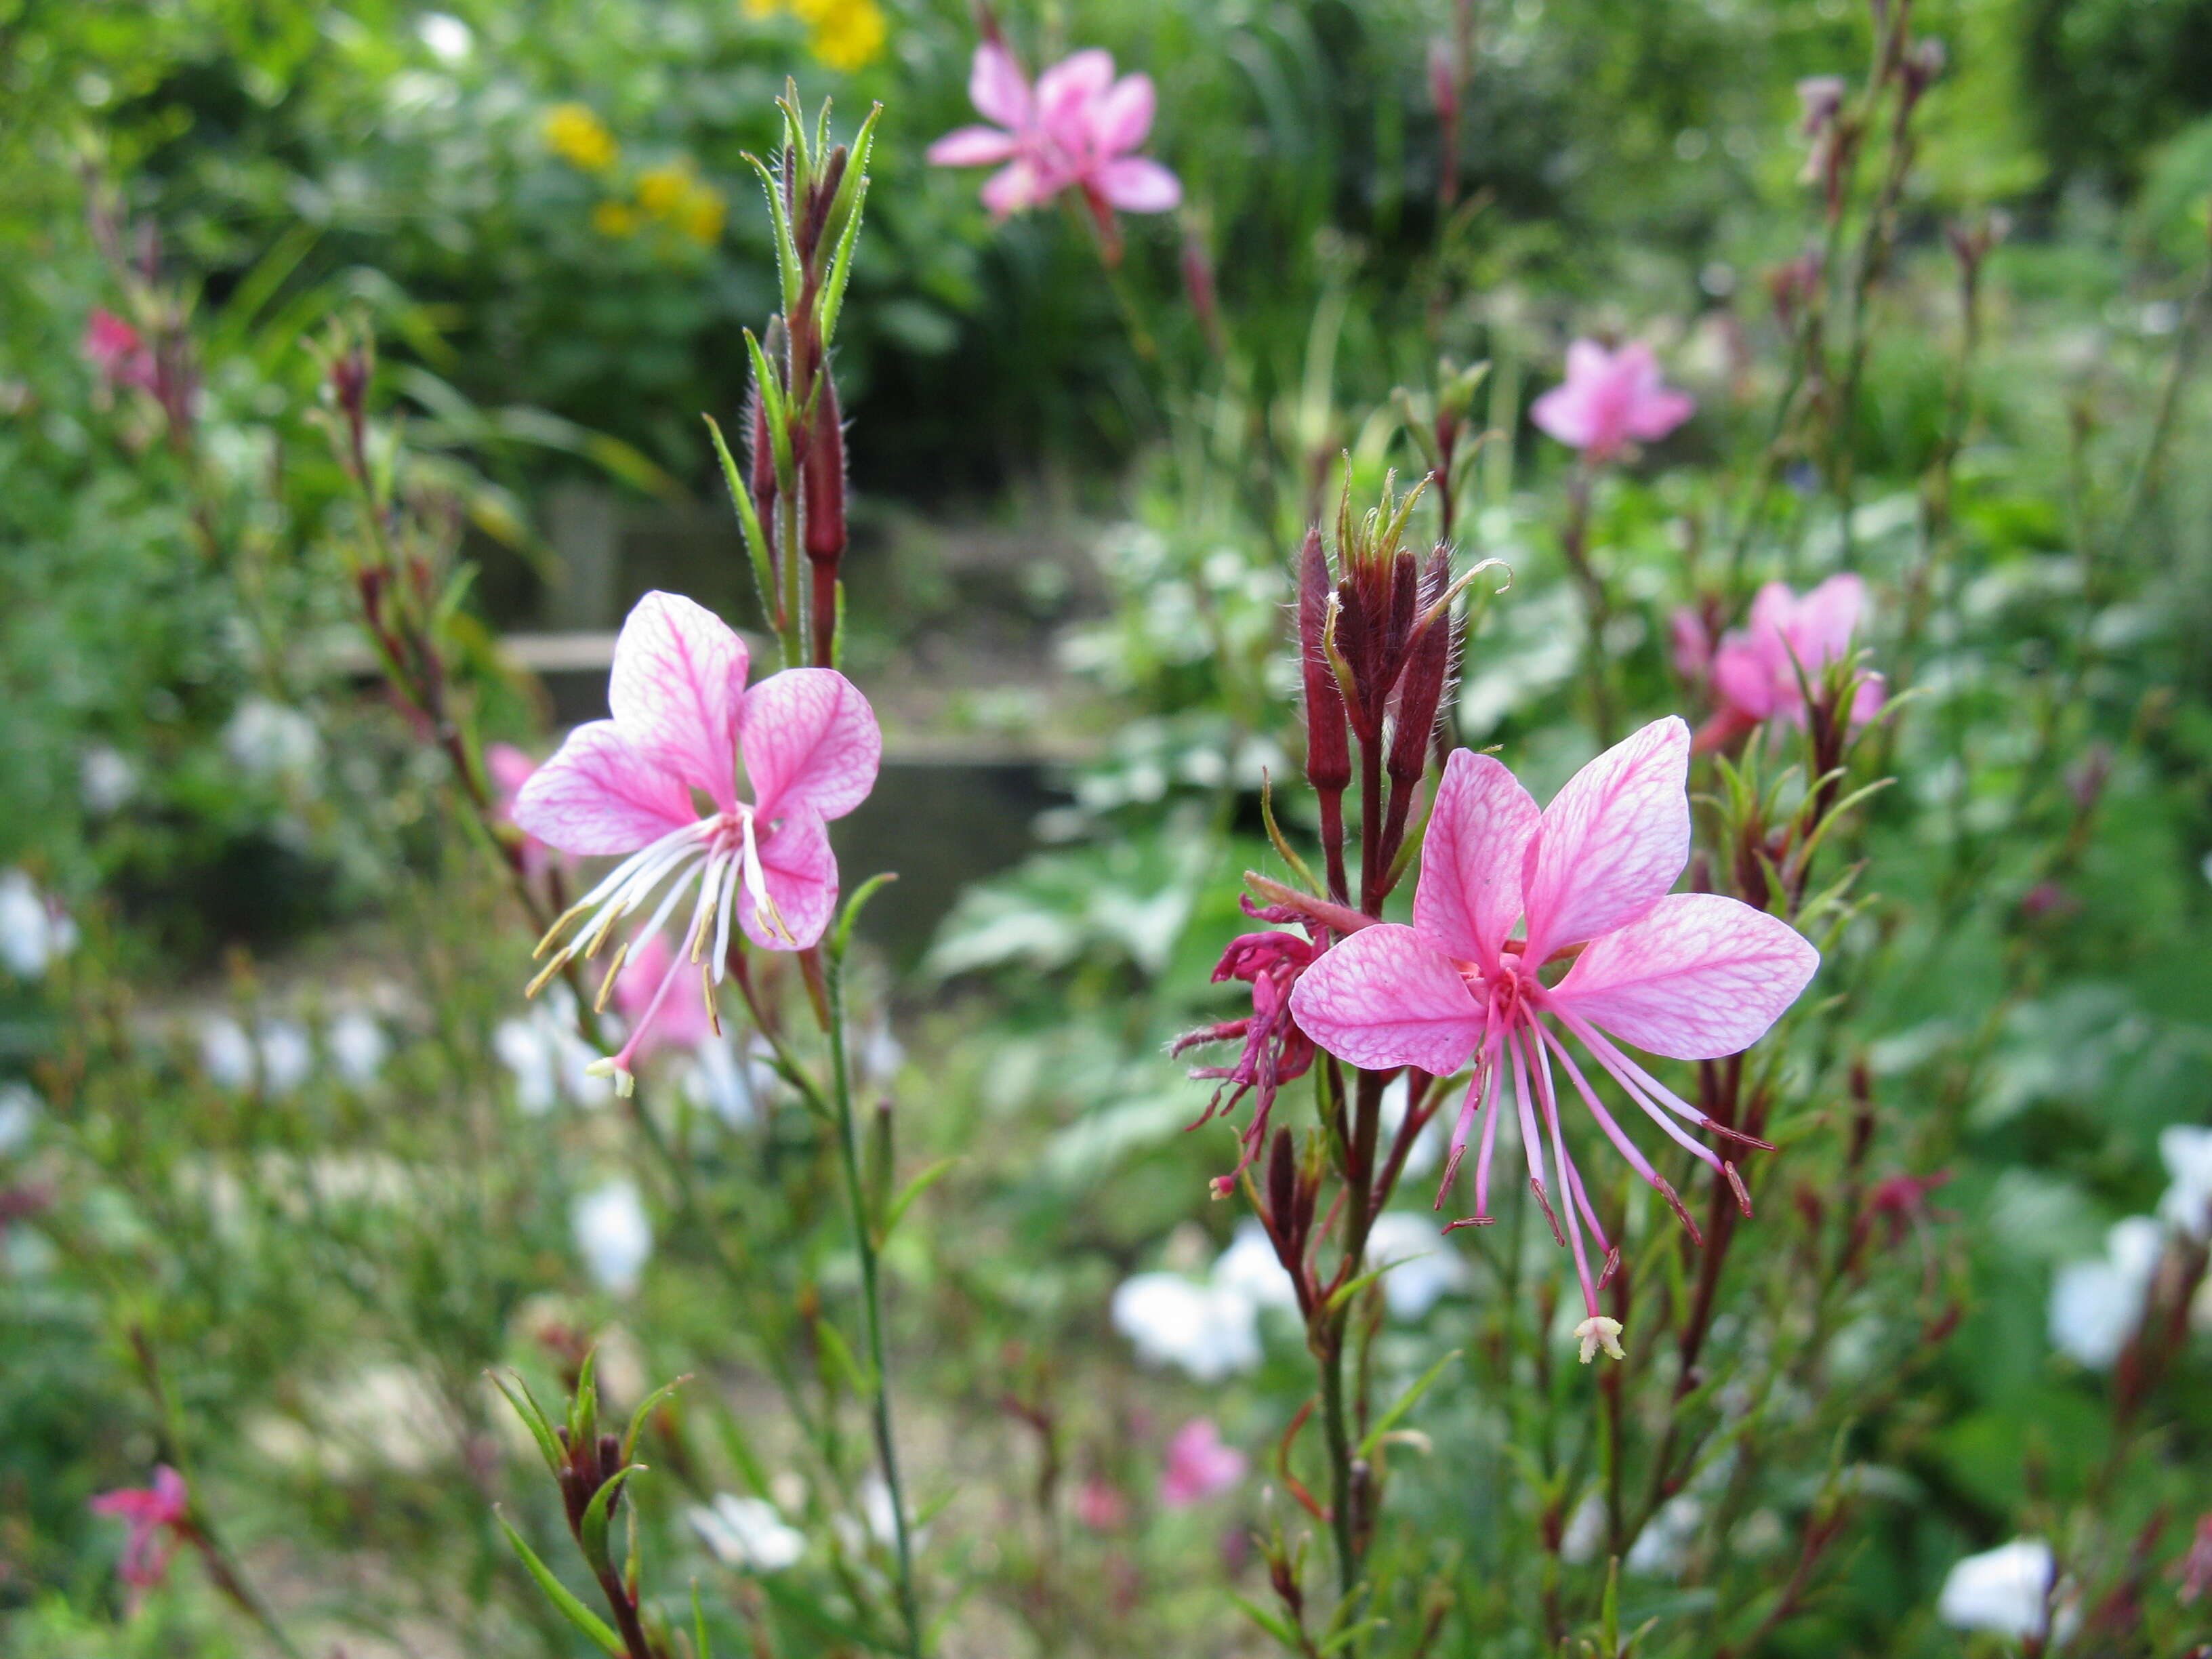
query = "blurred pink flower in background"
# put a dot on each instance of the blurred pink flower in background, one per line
(1609, 398)
(1100, 1506)
(510, 768)
(684, 1023)
(1690, 975)
(681, 714)
(156, 1515)
(1199, 1466)
(1077, 126)
(1756, 668)
(117, 352)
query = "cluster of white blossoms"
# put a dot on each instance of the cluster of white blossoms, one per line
(35, 931)
(2097, 1304)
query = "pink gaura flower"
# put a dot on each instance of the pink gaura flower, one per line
(1100, 1506)
(509, 769)
(684, 1024)
(1076, 126)
(1760, 671)
(116, 350)
(1275, 1050)
(157, 1517)
(1609, 398)
(1199, 1466)
(1689, 976)
(633, 785)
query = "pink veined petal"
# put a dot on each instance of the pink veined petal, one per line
(1386, 997)
(1611, 843)
(801, 876)
(1072, 83)
(1563, 413)
(680, 676)
(1020, 184)
(1699, 976)
(1122, 115)
(1469, 894)
(1658, 412)
(1137, 185)
(972, 147)
(599, 795)
(996, 87)
(809, 742)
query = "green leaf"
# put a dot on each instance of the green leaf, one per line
(533, 1419)
(748, 522)
(914, 1189)
(840, 1359)
(559, 1594)
(772, 405)
(1271, 1622)
(1407, 1400)
(645, 1407)
(701, 1647)
(841, 263)
(592, 1530)
(866, 890)
(787, 249)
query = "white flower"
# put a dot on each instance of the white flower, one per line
(106, 780)
(1662, 1550)
(2187, 1152)
(34, 930)
(1251, 1269)
(357, 1047)
(287, 1055)
(2096, 1305)
(266, 739)
(613, 1235)
(1208, 1330)
(746, 1532)
(1428, 1268)
(2006, 1589)
(226, 1052)
(450, 40)
(548, 1060)
(19, 1110)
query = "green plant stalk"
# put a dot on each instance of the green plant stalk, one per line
(863, 1242)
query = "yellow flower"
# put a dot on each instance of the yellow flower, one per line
(702, 215)
(849, 35)
(616, 219)
(662, 191)
(581, 138)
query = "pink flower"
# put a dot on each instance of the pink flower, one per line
(1076, 127)
(1690, 975)
(1199, 1466)
(682, 715)
(510, 768)
(1756, 671)
(1609, 398)
(115, 350)
(1100, 1506)
(1275, 1050)
(157, 1516)
(684, 1023)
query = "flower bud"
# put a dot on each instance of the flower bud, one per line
(1420, 692)
(1329, 744)
(825, 480)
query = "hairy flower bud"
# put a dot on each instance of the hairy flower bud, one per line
(1420, 692)
(1329, 744)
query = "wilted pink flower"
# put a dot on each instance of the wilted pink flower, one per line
(1199, 1466)
(156, 1515)
(1275, 1050)
(1690, 975)
(682, 714)
(1077, 126)
(1757, 669)
(1100, 1506)
(115, 350)
(1609, 398)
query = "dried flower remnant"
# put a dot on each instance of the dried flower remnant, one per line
(681, 716)
(159, 1516)
(1689, 976)
(1077, 127)
(1608, 398)
(1275, 1051)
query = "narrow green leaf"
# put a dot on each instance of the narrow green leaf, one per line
(1271, 1622)
(1407, 1402)
(1275, 835)
(772, 403)
(533, 1419)
(914, 1189)
(592, 1530)
(843, 1362)
(558, 1594)
(748, 522)
(701, 1647)
(787, 249)
(841, 263)
(866, 890)
(645, 1409)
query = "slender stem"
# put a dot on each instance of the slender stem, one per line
(848, 1151)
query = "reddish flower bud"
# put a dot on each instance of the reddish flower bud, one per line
(825, 479)
(1421, 688)
(1329, 743)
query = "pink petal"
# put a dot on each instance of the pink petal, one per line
(1655, 414)
(133, 1503)
(598, 795)
(1469, 895)
(996, 88)
(680, 676)
(972, 147)
(1137, 185)
(1589, 363)
(1563, 413)
(171, 1493)
(510, 768)
(1867, 701)
(1611, 843)
(1020, 184)
(1826, 619)
(1698, 978)
(801, 875)
(1744, 676)
(1074, 81)
(1387, 997)
(1121, 117)
(810, 741)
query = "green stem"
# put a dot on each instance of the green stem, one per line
(864, 1241)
